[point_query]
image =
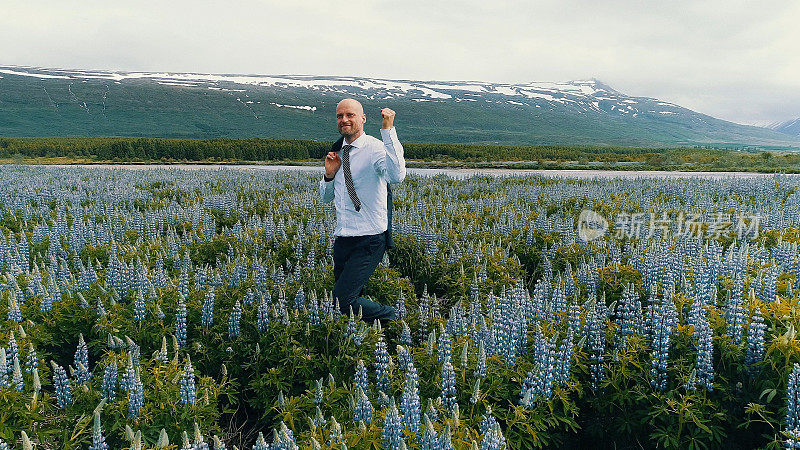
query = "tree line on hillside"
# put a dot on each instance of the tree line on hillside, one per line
(156, 149)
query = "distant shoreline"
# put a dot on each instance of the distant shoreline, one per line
(428, 171)
(504, 166)
(297, 152)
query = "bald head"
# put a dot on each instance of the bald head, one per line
(350, 119)
(350, 103)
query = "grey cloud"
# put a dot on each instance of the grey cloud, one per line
(732, 59)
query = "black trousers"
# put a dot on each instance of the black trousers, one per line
(355, 258)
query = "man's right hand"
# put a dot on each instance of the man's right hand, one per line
(332, 164)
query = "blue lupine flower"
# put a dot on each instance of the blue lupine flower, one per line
(564, 362)
(135, 396)
(400, 307)
(3, 445)
(263, 313)
(430, 439)
(284, 439)
(300, 299)
(313, 310)
(101, 310)
(318, 420)
(443, 347)
(233, 322)
(505, 328)
(188, 390)
(539, 382)
(14, 314)
(480, 365)
(82, 373)
(13, 351)
(218, 444)
(488, 422)
(392, 433)
(161, 355)
(381, 366)
(3, 368)
(430, 411)
(110, 376)
(574, 317)
(662, 324)
(61, 383)
(630, 316)
(98, 441)
(445, 442)
(409, 403)
(405, 334)
(32, 361)
(128, 375)
(208, 309)
(261, 444)
(139, 311)
(47, 303)
(596, 338)
(16, 380)
(755, 338)
(734, 314)
(705, 353)
(361, 379)
(335, 438)
(180, 322)
(793, 408)
(493, 439)
(448, 387)
(363, 410)
(318, 392)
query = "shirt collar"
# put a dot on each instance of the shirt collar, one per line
(357, 143)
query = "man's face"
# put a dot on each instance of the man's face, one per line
(350, 118)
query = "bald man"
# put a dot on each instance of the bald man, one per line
(358, 170)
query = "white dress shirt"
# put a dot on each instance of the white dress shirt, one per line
(372, 163)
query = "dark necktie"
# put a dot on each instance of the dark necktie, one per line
(348, 177)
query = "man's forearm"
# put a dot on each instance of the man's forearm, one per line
(395, 161)
(326, 191)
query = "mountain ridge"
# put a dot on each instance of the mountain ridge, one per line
(43, 101)
(790, 127)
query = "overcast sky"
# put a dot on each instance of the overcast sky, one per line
(732, 59)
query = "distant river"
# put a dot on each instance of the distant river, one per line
(459, 173)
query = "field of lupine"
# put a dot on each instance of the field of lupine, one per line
(192, 310)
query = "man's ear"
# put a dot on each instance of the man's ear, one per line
(364, 119)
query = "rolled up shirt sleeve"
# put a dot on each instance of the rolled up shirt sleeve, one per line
(390, 162)
(326, 190)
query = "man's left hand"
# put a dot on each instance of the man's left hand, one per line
(388, 118)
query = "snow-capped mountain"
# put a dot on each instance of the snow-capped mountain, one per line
(37, 101)
(790, 127)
